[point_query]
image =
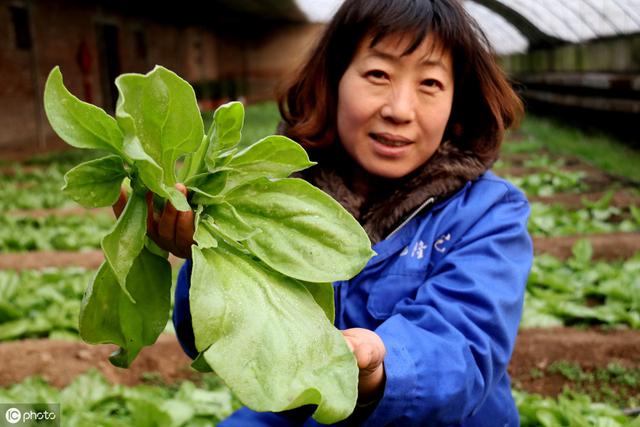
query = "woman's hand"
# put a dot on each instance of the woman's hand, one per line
(172, 231)
(369, 351)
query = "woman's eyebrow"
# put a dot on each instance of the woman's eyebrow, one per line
(434, 63)
(390, 57)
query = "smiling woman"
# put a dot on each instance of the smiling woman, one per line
(403, 107)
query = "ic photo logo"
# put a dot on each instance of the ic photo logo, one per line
(41, 414)
(13, 415)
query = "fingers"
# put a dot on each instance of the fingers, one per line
(167, 224)
(369, 351)
(367, 347)
(152, 225)
(184, 231)
(119, 205)
(172, 230)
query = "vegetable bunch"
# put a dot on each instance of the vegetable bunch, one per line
(267, 246)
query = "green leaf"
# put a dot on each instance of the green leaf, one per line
(253, 325)
(305, 233)
(582, 251)
(271, 157)
(152, 175)
(109, 316)
(200, 364)
(78, 123)
(208, 183)
(160, 110)
(125, 241)
(231, 224)
(194, 162)
(225, 131)
(323, 294)
(95, 183)
(201, 235)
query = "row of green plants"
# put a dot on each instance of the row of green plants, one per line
(61, 233)
(551, 181)
(613, 384)
(570, 409)
(32, 195)
(543, 135)
(40, 303)
(580, 291)
(44, 303)
(91, 400)
(557, 220)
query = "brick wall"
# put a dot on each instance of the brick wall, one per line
(111, 42)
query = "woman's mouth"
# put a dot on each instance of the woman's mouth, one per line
(390, 146)
(390, 140)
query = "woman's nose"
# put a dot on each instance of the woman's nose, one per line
(399, 105)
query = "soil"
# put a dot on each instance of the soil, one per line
(59, 362)
(573, 201)
(537, 349)
(74, 211)
(36, 260)
(610, 246)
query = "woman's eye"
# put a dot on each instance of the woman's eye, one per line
(376, 74)
(432, 84)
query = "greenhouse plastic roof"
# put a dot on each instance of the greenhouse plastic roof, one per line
(513, 25)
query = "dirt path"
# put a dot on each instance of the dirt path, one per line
(620, 199)
(35, 260)
(537, 349)
(610, 246)
(74, 211)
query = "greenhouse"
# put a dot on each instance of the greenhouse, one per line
(295, 237)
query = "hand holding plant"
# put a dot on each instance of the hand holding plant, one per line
(267, 247)
(172, 230)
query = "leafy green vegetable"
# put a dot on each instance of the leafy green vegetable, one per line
(568, 409)
(109, 316)
(41, 303)
(268, 246)
(580, 291)
(63, 233)
(78, 123)
(96, 183)
(91, 401)
(554, 220)
(549, 182)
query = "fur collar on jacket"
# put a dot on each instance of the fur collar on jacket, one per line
(442, 175)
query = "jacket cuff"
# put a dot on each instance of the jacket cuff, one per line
(401, 376)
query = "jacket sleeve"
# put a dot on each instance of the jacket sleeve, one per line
(182, 313)
(449, 346)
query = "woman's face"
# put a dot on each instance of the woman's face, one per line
(393, 109)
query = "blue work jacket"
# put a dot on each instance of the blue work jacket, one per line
(445, 293)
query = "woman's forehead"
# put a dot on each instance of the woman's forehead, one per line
(404, 44)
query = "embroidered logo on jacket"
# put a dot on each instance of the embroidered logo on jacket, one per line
(439, 245)
(416, 252)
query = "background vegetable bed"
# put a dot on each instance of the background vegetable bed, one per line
(581, 318)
